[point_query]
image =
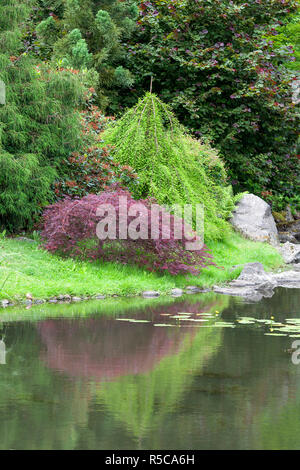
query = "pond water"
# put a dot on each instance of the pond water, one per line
(85, 377)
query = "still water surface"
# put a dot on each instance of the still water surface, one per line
(95, 382)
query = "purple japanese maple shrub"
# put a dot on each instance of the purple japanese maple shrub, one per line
(72, 226)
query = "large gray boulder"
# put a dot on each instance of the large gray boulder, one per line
(253, 274)
(253, 218)
(288, 279)
(290, 253)
(254, 283)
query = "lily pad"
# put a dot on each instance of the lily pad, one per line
(247, 319)
(184, 318)
(291, 329)
(274, 334)
(200, 320)
(205, 314)
(139, 321)
(194, 326)
(180, 317)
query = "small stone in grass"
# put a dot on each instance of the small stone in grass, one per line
(177, 292)
(148, 294)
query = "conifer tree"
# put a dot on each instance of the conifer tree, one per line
(38, 122)
(89, 34)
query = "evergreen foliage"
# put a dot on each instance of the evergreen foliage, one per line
(87, 34)
(38, 124)
(24, 188)
(173, 167)
(223, 66)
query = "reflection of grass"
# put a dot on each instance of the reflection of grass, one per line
(46, 413)
(44, 275)
(142, 401)
(108, 307)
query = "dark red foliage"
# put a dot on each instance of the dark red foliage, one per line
(93, 171)
(69, 228)
(93, 121)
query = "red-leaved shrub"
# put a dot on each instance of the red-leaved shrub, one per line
(93, 171)
(93, 121)
(69, 228)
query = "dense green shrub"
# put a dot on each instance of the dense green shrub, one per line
(211, 61)
(172, 167)
(39, 125)
(24, 189)
(86, 34)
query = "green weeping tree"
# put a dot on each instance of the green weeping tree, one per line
(39, 125)
(173, 167)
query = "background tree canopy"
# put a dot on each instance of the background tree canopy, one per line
(225, 68)
(212, 62)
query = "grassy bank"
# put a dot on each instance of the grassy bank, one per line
(25, 268)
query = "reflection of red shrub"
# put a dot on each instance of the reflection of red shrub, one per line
(70, 222)
(106, 349)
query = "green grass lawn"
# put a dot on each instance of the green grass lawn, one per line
(25, 268)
